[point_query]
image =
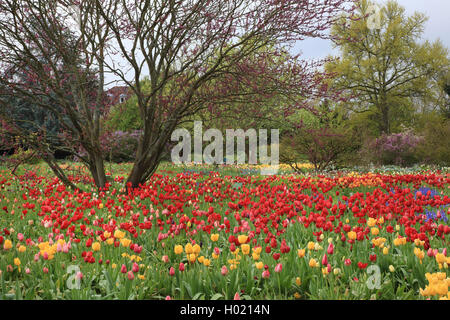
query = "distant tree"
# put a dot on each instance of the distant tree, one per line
(383, 69)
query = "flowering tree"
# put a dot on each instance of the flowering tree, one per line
(396, 148)
(195, 53)
(51, 64)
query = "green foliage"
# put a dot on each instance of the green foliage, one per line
(323, 147)
(325, 141)
(125, 116)
(384, 69)
(435, 148)
(25, 157)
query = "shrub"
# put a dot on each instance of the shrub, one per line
(323, 147)
(396, 149)
(120, 146)
(22, 156)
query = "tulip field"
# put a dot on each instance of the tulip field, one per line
(225, 233)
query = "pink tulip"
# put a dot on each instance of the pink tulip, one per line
(181, 267)
(171, 271)
(168, 298)
(278, 267)
(266, 274)
(20, 236)
(347, 262)
(79, 275)
(123, 269)
(329, 268)
(236, 296)
(135, 267)
(165, 259)
(224, 271)
(130, 275)
(45, 270)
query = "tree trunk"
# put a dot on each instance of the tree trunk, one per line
(141, 171)
(97, 169)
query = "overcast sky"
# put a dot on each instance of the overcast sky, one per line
(437, 27)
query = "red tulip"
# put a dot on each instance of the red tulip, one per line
(330, 249)
(324, 260)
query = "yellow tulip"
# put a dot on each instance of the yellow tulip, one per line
(119, 234)
(245, 249)
(196, 248)
(440, 258)
(313, 263)
(192, 257)
(7, 245)
(351, 235)
(125, 242)
(301, 253)
(96, 246)
(178, 249)
(188, 248)
(242, 239)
